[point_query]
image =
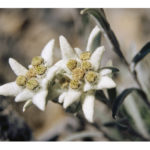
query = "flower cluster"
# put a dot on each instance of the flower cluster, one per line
(31, 84)
(75, 77)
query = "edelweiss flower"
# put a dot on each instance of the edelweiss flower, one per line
(31, 84)
(83, 75)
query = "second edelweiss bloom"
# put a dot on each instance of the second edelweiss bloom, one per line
(31, 84)
(84, 73)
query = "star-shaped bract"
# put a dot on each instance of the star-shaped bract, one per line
(86, 94)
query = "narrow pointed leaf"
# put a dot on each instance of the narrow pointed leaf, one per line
(74, 108)
(101, 96)
(141, 55)
(119, 100)
(116, 124)
(112, 93)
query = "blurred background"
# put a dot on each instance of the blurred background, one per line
(23, 34)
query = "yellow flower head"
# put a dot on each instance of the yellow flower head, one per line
(40, 69)
(31, 73)
(72, 64)
(74, 84)
(78, 73)
(21, 80)
(91, 76)
(85, 55)
(86, 65)
(32, 84)
(37, 60)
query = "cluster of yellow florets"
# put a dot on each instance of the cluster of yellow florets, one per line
(21, 80)
(74, 84)
(86, 65)
(72, 64)
(85, 56)
(29, 80)
(91, 76)
(79, 71)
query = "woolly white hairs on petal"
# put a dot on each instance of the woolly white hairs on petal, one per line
(24, 95)
(78, 51)
(105, 72)
(66, 49)
(53, 70)
(88, 107)
(95, 32)
(105, 83)
(96, 57)
(39, 99)
(62, 97)
(87, 87)
(48, 52)
(108, 72)
(10, 89)
(17, 67)
(71, 96)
